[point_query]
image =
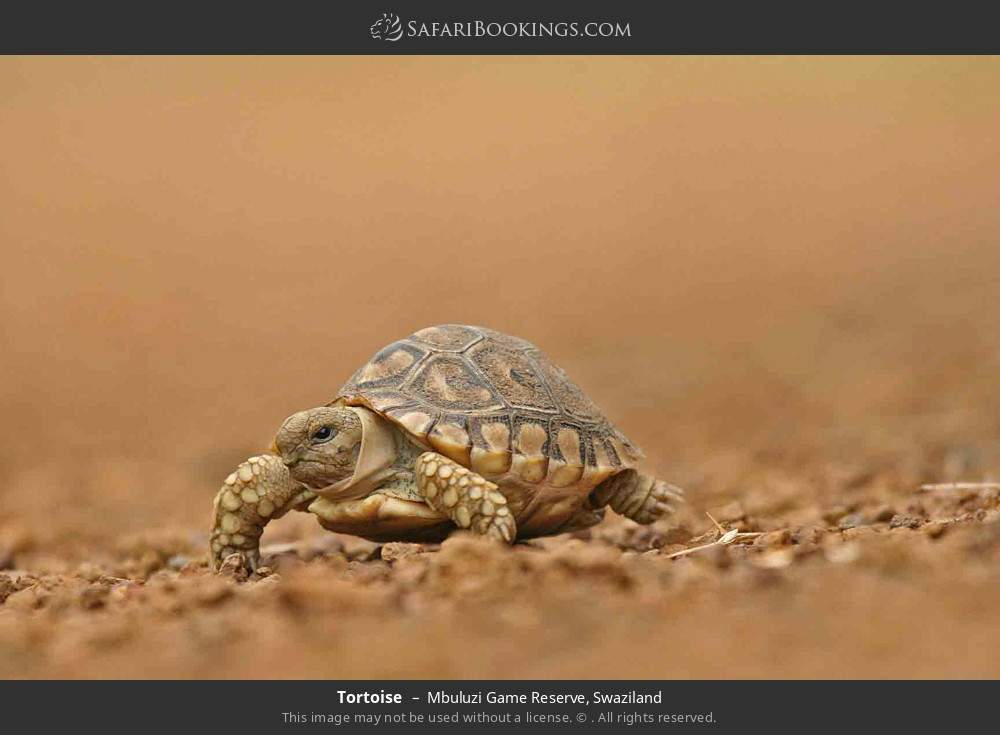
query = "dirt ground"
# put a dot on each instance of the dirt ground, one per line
(777, 276)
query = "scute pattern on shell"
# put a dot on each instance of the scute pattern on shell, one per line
(491, 402)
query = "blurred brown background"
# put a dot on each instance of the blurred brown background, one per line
(794, 258)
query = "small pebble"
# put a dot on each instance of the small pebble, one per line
(905, 521)
(773, 538)
(178, 562)
(852, 521)
(399, 550)
(883, 514)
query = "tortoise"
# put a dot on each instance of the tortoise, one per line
(453, 427)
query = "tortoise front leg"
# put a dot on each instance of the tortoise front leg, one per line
(468, 499)
(260, 490)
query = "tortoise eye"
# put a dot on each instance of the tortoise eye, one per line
(322, 434)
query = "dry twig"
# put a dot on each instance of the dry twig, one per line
(725, 538)
(960, 486)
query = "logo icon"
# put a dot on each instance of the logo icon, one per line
(387, 28)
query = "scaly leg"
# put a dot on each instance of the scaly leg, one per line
(465, 497)
(260, 490)
(642, 498)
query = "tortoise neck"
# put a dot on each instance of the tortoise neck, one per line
(407, 450)
(376, 458)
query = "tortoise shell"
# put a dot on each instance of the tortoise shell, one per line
(493, 403)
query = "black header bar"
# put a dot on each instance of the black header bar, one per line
(512, 27)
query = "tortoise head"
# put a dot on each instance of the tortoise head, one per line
(320, 446)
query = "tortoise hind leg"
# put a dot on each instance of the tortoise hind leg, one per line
(468, 499)
(640, 497)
